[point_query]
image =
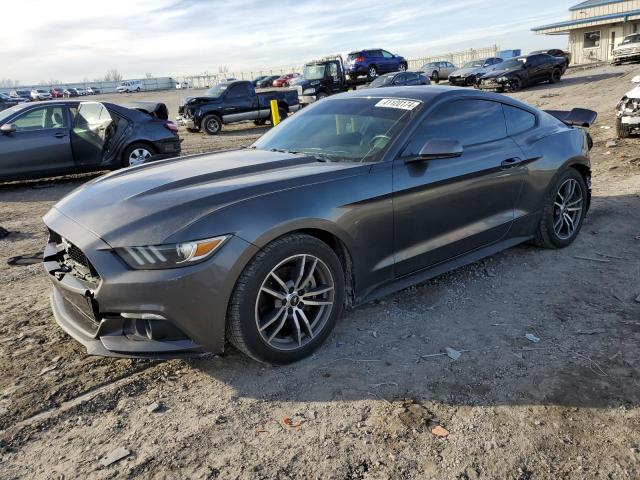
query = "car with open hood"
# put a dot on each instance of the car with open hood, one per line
(472, 70)
(521, 72)
(44, 139)
(352, 198)
(628, 111)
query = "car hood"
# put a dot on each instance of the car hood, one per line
(199, 99)
(626, 46)
(153, 203)
(501, 73)
(464, 72)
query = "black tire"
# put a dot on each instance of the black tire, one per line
(126, 155)
(321, 95)
(546, 235)
(260, 122)
(435, 76)
(556, 76)
(138, 89)
(242, 328)
(372, 72)
(211, 124)
(515, 85)
(623, 131)
(402, 67)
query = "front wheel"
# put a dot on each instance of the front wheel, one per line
(556, 76)
(402, 67)
(623, 130)
(564, 211)
(515, 85)
(373, 72)
(212, 124)
(287, 300)
(435, 76)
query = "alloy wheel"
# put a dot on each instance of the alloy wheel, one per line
(213, 125)
(138, 156)
(402, 67)
(294, 302)
(567, 210)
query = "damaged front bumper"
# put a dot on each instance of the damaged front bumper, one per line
(116, 311)
(184, 121)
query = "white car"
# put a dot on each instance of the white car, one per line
(628, 50)
(81, 91)
(90, 91)
(628, 111)
(40, 95)
(130, 86)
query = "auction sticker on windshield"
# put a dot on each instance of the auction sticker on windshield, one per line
(397, 103)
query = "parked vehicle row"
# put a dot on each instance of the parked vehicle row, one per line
(40, 94)
(66, 136)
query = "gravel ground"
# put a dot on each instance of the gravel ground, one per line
(377, 400)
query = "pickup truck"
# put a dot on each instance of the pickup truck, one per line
(233, 102)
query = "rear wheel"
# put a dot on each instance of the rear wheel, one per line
(138, 89)
(321, 95)
(287, 300)
(212, 124)
(136, 154)
(556, 76)
(564, 211)
(372, 72)
(402, 67)
(435, 76)
(623, 130)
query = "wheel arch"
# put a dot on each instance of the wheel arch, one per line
(585, 172)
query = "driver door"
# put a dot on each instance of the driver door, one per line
(335, 76)
(39, 145)
(91, 130)
(450, 206)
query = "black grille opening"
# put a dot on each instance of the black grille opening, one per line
(76, 255)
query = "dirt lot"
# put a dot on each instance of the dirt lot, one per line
(364, 406)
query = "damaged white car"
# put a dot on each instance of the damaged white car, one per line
(628, 111)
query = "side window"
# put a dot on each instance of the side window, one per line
(251, 91)
(386, 54)
(400, 79)
(412, 78)
(333, 69)
(237, 91)
(374, 53)
(88, 114)
(469, 121)
(41, 119)
(518, 120)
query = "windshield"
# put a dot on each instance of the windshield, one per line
(382, 81)
(313, 72)
(631, 39)
(342, 130)
(474, 64)
(42, 91)
(217, 90)
(513, 64)
(4, 114)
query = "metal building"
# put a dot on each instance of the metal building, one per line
(596, 27)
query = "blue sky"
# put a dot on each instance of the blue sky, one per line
(80, 39)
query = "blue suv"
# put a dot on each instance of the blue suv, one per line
(371, 63)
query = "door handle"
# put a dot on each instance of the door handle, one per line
(60, 135)
(511, 162)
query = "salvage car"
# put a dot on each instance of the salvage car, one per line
(7, 102)
(628, 111)
(284, 80)
(521, 72)
(353, 198)
(628, 50)
(400, 79)
(439, 70)
(556, 52)
(70, 92)
(64, 136)
(371, 63)
(266, 82)
(470, 72)
(233, 102)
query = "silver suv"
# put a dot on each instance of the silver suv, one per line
(438, 70)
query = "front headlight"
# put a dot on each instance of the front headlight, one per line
(309, 91)
(502, 79)
(155, 257)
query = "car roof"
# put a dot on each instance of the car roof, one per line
(429, 94)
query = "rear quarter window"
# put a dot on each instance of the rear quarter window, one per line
(518, 120)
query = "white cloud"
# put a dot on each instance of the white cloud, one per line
(80, 39)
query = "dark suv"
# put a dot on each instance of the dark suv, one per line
(371, 63)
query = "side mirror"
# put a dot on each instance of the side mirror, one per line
(438, 148)
(8, 128)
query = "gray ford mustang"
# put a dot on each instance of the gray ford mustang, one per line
(355, 197)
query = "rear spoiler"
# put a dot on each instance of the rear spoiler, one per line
(155, 109)
(578, 117)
